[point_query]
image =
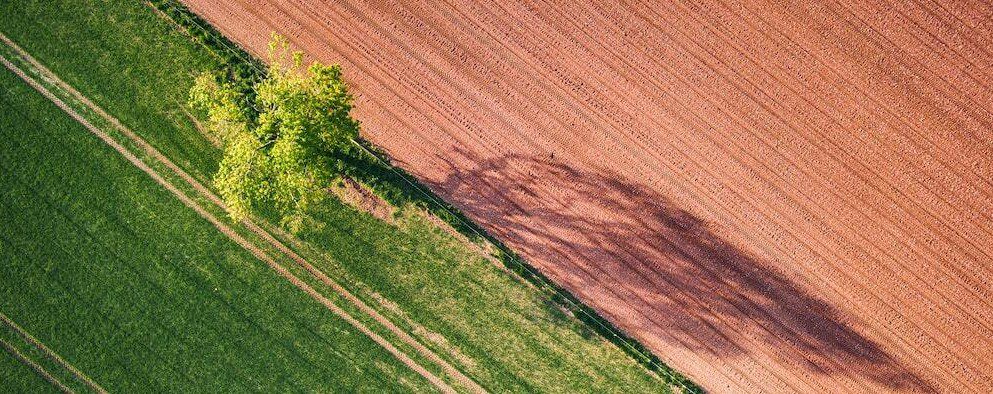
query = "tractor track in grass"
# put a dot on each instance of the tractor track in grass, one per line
(20, 357)
(48, 353)
(786, 196)
(49, 77)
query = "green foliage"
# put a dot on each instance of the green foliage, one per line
(118, 277)
(18, 377)
(237, 67)
(141, 68)
(284, 158)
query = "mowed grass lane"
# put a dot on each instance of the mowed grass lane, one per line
(123, 281)
(502, 333)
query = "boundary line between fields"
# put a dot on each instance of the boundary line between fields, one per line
(228, 231)
(79, 375)
(654, 364)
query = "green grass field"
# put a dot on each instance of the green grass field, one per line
(41, 369)
(80, 201)
(113, 273)
(18, 377)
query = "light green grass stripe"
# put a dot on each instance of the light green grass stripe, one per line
(512, 337)
(239, 274)
(74, 97)
(81, 107)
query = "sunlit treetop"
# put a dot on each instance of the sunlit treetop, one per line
(284, 159)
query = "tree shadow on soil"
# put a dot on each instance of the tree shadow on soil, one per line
(676, 277)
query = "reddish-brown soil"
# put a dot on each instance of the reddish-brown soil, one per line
(772, 196)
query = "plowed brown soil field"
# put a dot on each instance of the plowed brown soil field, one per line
(773, 196)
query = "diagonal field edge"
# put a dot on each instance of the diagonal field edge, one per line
(567, 299)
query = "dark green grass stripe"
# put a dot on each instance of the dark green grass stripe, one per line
(38, 356)
(114, 71)
(18, 373)
(202, 287)
(332, 364)
(124, 297)
(133, 237)
(105, 254)
(41, 297)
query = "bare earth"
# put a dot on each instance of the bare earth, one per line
(772, 196)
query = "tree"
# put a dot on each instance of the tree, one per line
(282, 151)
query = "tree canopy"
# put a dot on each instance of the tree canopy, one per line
(281, 150)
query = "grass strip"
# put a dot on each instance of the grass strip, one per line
(107, 269)
(140, 67)
(374, 168)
